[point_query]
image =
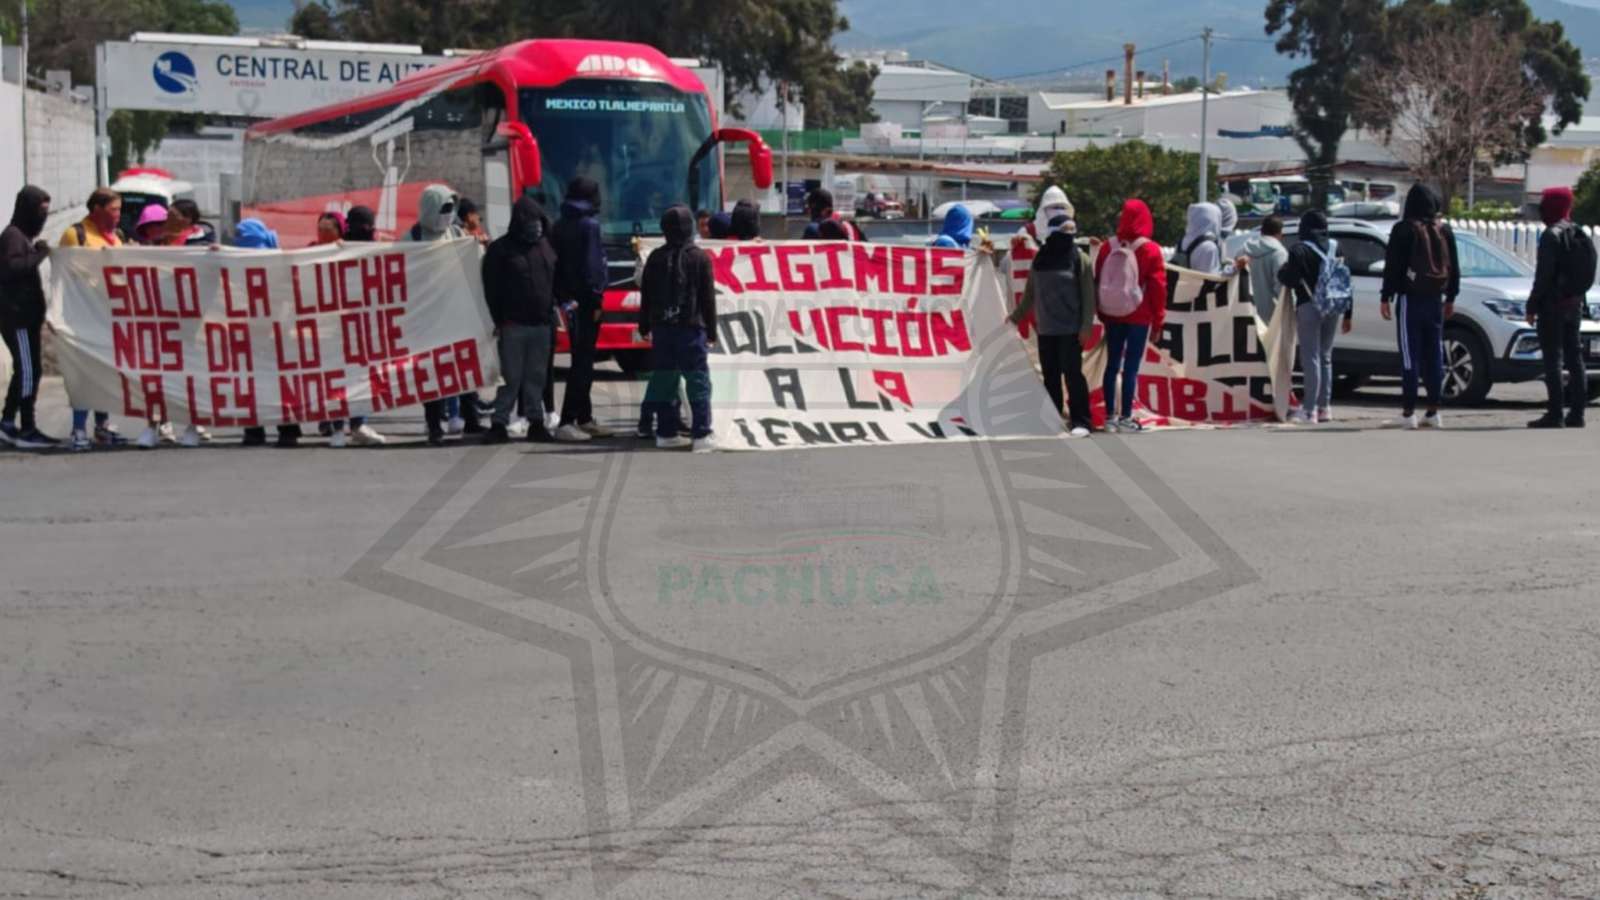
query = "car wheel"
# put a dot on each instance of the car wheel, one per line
(1346, 385)
(632, 361)
(1466, 367)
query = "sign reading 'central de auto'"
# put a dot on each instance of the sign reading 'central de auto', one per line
(245, 80)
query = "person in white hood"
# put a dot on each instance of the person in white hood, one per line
(1201, 247)
(1264, 254)
(436, 221)
(1053, 203)
(1230, 217)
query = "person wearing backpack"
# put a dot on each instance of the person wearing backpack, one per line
(1561, 282)
(97, 231)
(1131, 276)
(1201, 247)
(1317, 274)
(678, 313)
(1421, 273)
(1061, 290)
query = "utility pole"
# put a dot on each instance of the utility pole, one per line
(783, 99)
(1205, 97)
(22, 82)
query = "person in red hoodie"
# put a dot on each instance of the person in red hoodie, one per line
(1127, 333)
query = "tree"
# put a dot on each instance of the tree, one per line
(1099, 179)
(1454, 94)
(844, 102)
(1339, 39)
(1586, 208)
(757, 42)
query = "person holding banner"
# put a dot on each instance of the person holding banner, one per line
(359, 227)
(22, 316)
(253, 234)
(97, 231)
(1060, 292)
(678, 313)
(436, 221)
(519, 286)
(1322, 308)
(1131, 275)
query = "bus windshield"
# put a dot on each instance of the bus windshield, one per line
(634, 138)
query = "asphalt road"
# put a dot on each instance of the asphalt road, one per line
(1331, 662)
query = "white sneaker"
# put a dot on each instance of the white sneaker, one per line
(1078, 431)
(148, 439)
(79, 442)
(205, 435)
(1304, 417)
(552, 421)
(1111, 426)
(707, 444)
(1433, 420)
(168, 435)
(518, 428)
(1324, 415)
(455, 426)
(337, 439)
(673, 443)
(1409, 423)
(595, 429)
(366, 437)
(571, 434)
(191, 437)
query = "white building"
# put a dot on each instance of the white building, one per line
(1239, 112)
(907, 94)
(1564, 157)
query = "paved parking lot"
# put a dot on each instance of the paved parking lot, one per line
(1330, 662)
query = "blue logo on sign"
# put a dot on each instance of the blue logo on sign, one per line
(175, 73)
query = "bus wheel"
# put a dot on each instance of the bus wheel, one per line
(632, 361)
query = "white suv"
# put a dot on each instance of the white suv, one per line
(1487, 342)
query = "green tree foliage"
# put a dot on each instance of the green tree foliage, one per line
(757, 42)
(1336, 38)
(1552, 67)
(62, 34)
(1586, 209)
(1099, 179)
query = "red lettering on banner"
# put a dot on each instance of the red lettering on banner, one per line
(116, 281)
(880, 319)
(759, 280)
(186, 284)
(722, 261)
(912, 322)
(836, 278)
(255, 289)
(836, 336)
(301, 308)
(871, 264)
(918, 258)
(313, 396)
(950, 333)
(394, 279)
(949, 272)
(241, 411)
(136, 291)
(147, 345)
(151, 397)
(228, 347)
(373, 336)
(347, 298)
(795, 276)
(893, 384)
(308, 355)
(466, 353)
(428, 375)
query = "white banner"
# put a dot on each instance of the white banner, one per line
(239, 338)
(839, 344)
(238, 80)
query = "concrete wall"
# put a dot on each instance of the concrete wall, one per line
(11, 150)
(202, 160)
(60, 146)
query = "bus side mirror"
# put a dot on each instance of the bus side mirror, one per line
(760, 153)
(527, 166)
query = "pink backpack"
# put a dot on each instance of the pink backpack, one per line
(1120, 290)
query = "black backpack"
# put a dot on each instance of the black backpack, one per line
(1430, 258)
(1575, 277)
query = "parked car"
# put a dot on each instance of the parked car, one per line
(878, 205)
(1487, 342)
(143, 186)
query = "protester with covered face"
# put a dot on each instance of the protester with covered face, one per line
(1422, 272)
(151, 230)
(253, 234)
(22, 307)
(1561, 283)
(1131, 276)
(1052, 203)
(359, 227)
(581, 278)
(330, 228)
(97, 231)
(519, 285)
(1060, 292)
(185, 228)
(436, 221)
(956, 232)
(745, 223)
(678, 312)
(819, 206)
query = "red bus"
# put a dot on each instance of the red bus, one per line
(525, 118)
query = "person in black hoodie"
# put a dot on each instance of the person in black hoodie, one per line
(678, 312)
(746, 221)
(22, 315)
(580, 284)
(519, 285)
(1422, 271)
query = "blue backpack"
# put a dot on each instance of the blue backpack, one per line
(1333, 294)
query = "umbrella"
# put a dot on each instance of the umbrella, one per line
(976, 207)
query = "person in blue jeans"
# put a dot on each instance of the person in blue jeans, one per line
(1422, 273)
(678, 313)
(1127, 335)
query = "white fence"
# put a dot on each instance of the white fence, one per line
(1521, 239)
